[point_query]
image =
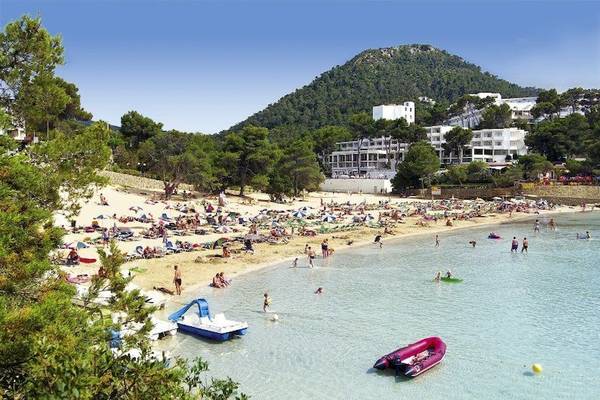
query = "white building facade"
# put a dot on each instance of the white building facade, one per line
(379, 156)
(395, 111)
(489, 145)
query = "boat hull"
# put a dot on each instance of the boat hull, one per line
(218, 336)
(402, 359)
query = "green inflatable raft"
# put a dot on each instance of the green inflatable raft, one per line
(451, 280)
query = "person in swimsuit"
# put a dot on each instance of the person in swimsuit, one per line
(525, 245)
(514, 244)
(319, 291)
(177, 280)
(266, 302)
(473, 243)
(552, 224)
(438, 276)
(536, 226)
(311, 256)
(449, 274)
(324, 248)
(378, 240)
(437, 241)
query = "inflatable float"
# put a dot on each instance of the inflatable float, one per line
(416, 358)
(450, 280)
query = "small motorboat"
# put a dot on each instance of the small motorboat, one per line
(415, 358)
(201, 324)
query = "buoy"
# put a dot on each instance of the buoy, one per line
(537, 368)
(275, 317)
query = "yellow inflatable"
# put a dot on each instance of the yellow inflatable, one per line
(537, 368)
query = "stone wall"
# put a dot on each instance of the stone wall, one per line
(138, 182)
(564, 194)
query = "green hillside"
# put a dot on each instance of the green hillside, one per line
(381, 76)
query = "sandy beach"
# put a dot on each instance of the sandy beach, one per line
(199, 266)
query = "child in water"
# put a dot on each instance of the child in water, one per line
(266, 302)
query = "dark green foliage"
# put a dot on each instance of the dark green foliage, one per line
(247, 157)
(495, 116)
(382, 76)
(456, 140)
(561, 138)
(136, 128)
(534, 164)
(420, 163)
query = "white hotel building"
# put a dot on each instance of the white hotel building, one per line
(379, 156)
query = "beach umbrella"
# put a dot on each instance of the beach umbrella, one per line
(299, 213)
(78, 245)
(328, 218)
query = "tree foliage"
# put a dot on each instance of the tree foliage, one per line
(420, 162)
(456, 140)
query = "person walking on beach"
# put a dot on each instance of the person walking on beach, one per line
(525, 245)
(177, 280)
(266, 302)
(514, 245)
(437, 241)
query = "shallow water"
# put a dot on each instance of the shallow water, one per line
(511, 310)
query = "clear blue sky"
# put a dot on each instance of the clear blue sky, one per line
(203, 66)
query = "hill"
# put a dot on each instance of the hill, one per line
(381, 76)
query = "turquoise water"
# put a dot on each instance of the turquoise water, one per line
(511, 310)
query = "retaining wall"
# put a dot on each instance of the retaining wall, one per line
(138, 182)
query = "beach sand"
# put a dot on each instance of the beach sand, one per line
(198, 267)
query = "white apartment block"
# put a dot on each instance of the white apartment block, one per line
(395, 111)
(489, 145)
(379, 156)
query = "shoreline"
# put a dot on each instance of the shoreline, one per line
(187, 294)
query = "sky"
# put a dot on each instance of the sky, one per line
(202, 66)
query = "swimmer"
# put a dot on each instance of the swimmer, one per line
(473, 243)
(438, 276)
(266, 302)
(552, 224)
(295, 263)
(587, 235)
(319, 291)
(378, 240)
(437, 241)
(449, 274)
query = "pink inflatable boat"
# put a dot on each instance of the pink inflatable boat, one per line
(415, 358)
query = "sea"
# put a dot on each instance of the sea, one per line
(511, 310)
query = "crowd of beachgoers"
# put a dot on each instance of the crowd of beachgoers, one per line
(211, 238)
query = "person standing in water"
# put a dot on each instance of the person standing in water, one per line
(525, 245)
(266, 302)
(514, 245)
(536, 226)
(311, 256)
(552, 224)
(177, 280)
(437, 241)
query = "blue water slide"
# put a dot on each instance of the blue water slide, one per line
(202, 309)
